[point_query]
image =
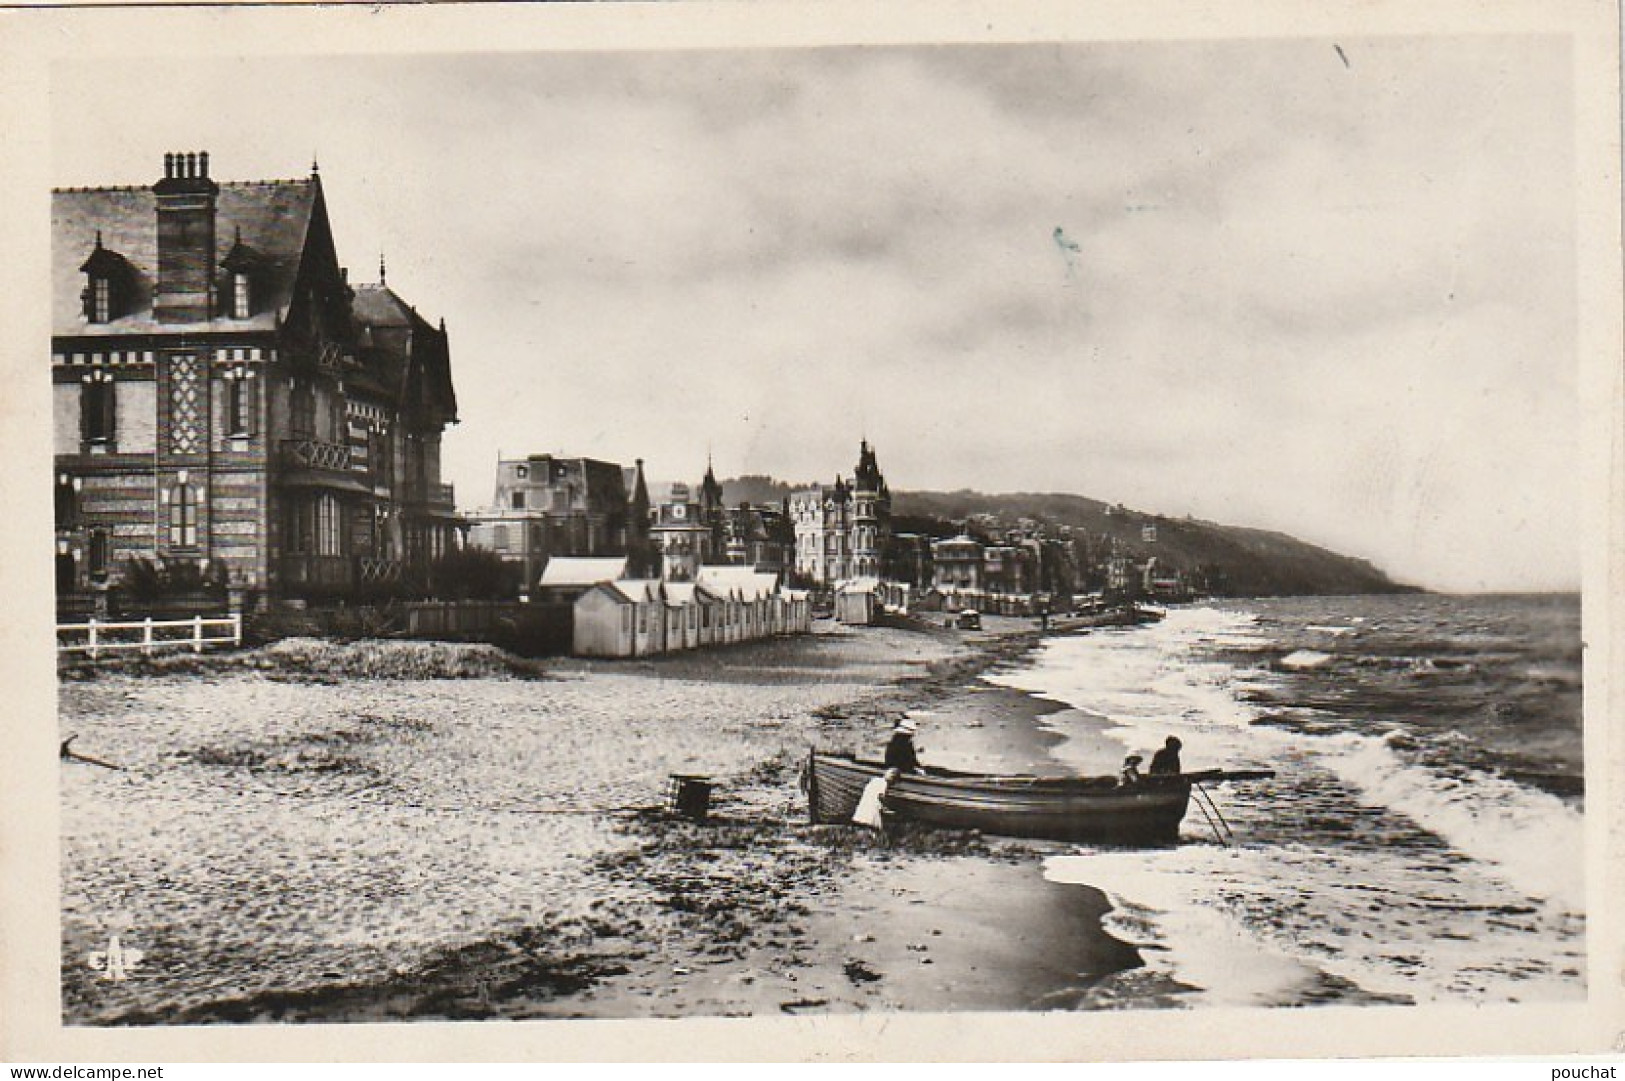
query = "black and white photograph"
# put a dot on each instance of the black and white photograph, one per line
(1097, 528)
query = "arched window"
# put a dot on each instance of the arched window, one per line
(182, 516)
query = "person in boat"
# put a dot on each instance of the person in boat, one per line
(1165, 763)
(1131, 770)
(901, 754)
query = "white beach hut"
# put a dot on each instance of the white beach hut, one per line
(566, 578)
(624, 618)
(857, 601)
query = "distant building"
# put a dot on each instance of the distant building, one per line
(1122, 577)
(682, 533)
(1164, 582)
(843, 530)
(1008, 568)
(822, 518)
(689, 529)
(957, 564)
(761, 537)
(544, 506)
(871, 515)
(224, 400)
(908, 560)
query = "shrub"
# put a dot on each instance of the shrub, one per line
(145, 579)
(472, 574)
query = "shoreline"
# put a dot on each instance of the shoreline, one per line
(756, 912)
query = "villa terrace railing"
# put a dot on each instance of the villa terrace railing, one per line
(304, 571)
(378, 570)
(94, 637)
(315, 454)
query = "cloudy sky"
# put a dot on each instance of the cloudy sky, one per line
(1320, 286)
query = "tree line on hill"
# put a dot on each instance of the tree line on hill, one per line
(1230, 560)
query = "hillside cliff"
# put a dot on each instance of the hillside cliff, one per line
(1237, 561)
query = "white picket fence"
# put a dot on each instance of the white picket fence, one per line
(95, 636)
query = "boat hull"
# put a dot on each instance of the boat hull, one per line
(1059, 809)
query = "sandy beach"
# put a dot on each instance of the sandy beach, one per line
(283, 844)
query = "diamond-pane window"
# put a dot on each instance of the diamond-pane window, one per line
(184, 406)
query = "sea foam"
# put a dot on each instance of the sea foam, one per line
(1250, 925)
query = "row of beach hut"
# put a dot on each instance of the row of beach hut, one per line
(640, 617)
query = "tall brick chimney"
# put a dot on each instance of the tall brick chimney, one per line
(186, 254)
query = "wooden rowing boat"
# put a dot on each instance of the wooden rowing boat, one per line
(1094, 809)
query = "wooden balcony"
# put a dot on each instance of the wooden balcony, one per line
(441, 496)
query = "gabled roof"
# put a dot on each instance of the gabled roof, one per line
(636, 590)
(681, 592)
(273, 217)
(741, 583)
(564, 571)
(858, 585)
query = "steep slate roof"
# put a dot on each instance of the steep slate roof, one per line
(408, 357)
(273, 216)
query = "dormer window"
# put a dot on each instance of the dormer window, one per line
(108, 277)
(239, 264)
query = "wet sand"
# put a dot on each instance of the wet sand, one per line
(287, 848)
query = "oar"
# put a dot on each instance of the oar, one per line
(1203, 802)
(1220, 812)
(1210, 823)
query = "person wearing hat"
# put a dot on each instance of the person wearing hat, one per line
(901, 754)
(1131, 770)
(1166, 761)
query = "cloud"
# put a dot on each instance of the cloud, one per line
(1332, 299)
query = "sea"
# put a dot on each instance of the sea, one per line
(1422, 838)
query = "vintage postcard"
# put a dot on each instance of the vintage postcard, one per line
(919, 532)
